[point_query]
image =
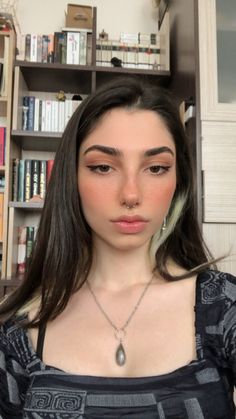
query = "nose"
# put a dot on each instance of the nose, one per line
(130, 191)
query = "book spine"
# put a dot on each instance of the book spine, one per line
(39, 48)
(89, 49)
(21, 181)
(31, 113)
(35, 181)
(21, 257)
(45, 48)
(55, 105)
(43, 116)
(43, 178)
(48, 115)
(73, 48)
(83, 48)
(27, 46)
(49, 169)
(33, 48)
(68, 110)
(61, 118)
(40, 114)
(2, 145)
(36, 114)
(20, 47)
(15, 166)
(27, 180)
(25, 113)
(29, 242)
(50, 55)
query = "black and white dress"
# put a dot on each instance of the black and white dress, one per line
(203, 389)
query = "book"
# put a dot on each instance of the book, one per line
(15, 165)
(48, 115)
(39, 48)
(36, 114)
(43, 178)
(61, 116)
(28, 180)
(89, 49)
(44, 48)
(49, 169)
(83, 48)
(21, 181)
(59, 47)
(30, 123)
(21, 256)
(73, 48)
(25, 113)
(29, 243)
(33, 47)
(20, 47)
(50, 53)
(35, 178)
(27, 46)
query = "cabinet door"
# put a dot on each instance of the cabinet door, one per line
(217, 53)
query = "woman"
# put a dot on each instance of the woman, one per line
(120, 314)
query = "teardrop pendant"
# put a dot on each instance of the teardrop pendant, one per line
(120, 355)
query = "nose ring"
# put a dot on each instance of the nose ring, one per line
(130, 206)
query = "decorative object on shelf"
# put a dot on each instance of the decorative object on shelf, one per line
(61, 96)
(103, 35)
(8, 15)
(116, 62)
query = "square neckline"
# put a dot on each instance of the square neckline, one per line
(198, 362)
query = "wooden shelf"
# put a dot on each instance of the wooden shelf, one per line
(49, 77)
(26, 205)
(37, 140)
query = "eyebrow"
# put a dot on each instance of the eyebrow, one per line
(111, 151)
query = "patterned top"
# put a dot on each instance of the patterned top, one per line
(203, 389)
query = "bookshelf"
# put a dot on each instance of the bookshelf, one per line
(44, 80)
(7, 47)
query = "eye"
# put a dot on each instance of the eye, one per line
(100, 168)
(158, 170)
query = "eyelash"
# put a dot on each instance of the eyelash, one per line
(97, 169)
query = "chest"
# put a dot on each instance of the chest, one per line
(159, 338)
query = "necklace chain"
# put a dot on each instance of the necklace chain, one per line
(123, 328)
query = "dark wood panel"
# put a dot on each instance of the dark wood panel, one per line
(8, 285)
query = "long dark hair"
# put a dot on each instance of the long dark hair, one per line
(62, 254)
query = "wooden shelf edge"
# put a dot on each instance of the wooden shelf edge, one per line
(48, 134)
(26, 205)
(125, 70)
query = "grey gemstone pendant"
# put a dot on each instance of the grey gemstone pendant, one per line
(120, 355)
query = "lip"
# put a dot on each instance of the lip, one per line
(130, 219)
(130, 224)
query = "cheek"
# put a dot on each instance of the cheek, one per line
(162, 195)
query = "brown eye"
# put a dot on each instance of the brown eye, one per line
(100, 168)
(157, 170)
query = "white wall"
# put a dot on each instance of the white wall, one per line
(114, 16)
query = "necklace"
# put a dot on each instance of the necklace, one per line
(120, 332)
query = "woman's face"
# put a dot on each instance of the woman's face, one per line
(129, 159)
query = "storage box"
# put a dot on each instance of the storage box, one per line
(79, 16)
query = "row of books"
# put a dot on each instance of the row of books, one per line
(47, 115)
(128, 55)
(30, 179)
(2, 145)
(66, 47)
(26, 237)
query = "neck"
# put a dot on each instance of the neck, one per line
(119, 269)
